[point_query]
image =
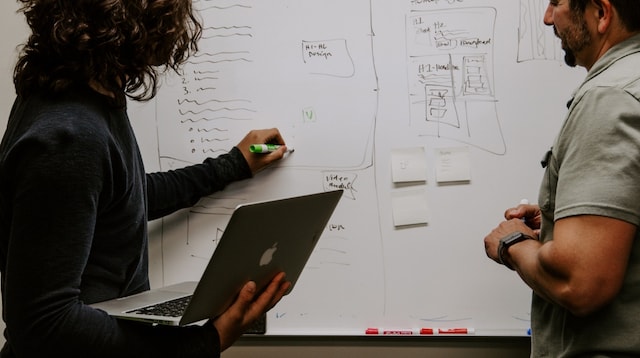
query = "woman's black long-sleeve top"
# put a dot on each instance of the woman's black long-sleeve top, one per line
(74, 205)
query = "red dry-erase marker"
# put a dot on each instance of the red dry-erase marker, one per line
(456, 331)
(390, 332)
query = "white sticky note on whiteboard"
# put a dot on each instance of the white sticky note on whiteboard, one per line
(453, 165)
(409, 207)
(408, 165)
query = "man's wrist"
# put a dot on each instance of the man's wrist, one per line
(508, 241)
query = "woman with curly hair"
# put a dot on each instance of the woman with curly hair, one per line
(75, 198)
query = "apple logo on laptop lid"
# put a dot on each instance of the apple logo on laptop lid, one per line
(267, 256)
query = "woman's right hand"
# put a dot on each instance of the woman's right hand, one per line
(247, 308)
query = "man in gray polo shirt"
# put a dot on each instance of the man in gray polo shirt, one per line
(579, 248)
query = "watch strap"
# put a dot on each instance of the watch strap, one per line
(509, 241)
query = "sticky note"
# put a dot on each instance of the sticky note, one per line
(453, 165)
(408, 165)
(409, 207)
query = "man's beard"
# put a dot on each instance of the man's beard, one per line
(574, 39)
(570, 58)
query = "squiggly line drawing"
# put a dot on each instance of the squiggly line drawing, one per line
(205, 151)
(214, 110)
(182, 101)
(207, 140)
(224, 7)
(197, 72)
(214, 119)
(226, 27)
(227, 35)
(220, 61)
(207, 54)
(212, 130)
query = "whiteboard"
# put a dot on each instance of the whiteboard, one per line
(431, 114)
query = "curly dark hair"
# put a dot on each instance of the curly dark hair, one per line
(122, 45)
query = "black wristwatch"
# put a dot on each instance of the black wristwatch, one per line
(508, 241)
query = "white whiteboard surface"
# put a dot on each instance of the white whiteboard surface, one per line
(348, 83)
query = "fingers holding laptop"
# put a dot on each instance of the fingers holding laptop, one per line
(270, 296)
(247, 308)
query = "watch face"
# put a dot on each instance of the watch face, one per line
(513, 238)
(508, 241)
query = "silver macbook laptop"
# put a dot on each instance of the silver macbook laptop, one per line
(260, 240)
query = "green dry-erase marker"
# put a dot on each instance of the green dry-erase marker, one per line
(263, 148)
(266, 148)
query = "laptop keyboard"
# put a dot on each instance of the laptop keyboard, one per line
(172, 308)
(176, 307)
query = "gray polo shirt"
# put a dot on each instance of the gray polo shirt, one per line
(594, 169)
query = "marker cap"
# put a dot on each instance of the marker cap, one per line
(372, 331)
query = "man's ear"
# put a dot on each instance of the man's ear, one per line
(604, 14)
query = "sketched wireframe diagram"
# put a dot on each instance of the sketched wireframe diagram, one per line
(536, 41)
(450, 71)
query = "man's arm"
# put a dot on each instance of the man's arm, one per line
(582, 268)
